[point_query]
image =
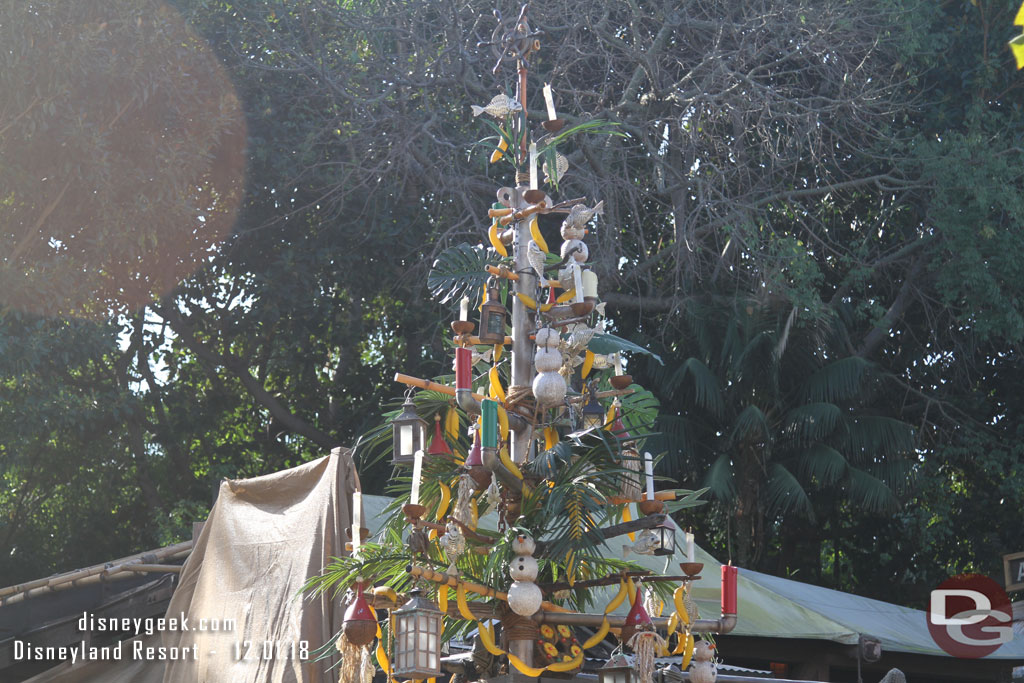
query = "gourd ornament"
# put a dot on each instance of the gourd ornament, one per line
(549, 386)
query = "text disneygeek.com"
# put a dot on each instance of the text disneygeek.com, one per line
(138, 650)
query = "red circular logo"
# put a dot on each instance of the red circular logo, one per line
(969, 616)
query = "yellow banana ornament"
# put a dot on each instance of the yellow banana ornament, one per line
(537, 237)
(446, 498)
(497, 154)
(588, 363)
(492, 236)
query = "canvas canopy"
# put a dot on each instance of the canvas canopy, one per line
(266, 536)
(264, 539)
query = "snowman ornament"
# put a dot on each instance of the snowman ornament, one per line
(703, 669)
(524, 596)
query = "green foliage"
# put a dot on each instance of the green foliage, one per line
(458, 272)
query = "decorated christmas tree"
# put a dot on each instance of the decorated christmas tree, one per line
(527, 464)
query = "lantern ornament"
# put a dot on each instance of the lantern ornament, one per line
(410, 433)
(417, 638)
(617, 670)
(666, 535)
(492, 317)
(593, 413)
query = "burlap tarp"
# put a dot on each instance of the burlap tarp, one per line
(264, 539)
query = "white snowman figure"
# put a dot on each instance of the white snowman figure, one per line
(548, 386)
(524, 596)
(703, 669)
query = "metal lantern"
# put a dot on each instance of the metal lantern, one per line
(417, 639)
(666, 535)
(617, 670)
(410, 433)
(492, 317)
(593, 413)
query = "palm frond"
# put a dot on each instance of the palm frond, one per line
(785, 493)
(706, 387)
(821, 463)
(720, 480)
(838, 381)
(871, 438)
(871, 493)
(458, 271)
(812, 421)
(750, 424)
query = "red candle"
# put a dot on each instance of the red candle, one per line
(729, 574)
(463, 366)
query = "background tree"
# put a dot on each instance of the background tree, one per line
(853, 165)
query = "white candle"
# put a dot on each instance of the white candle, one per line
(691, 555)
(577, 282)
(618, 363)
(417, 473)
(464, 309)
(357, 521)
(533, 165)
(649, 470)
(550, 102)
(589, 284)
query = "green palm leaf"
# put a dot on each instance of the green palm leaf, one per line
(871, 493)
(750, 424)
(719, 479)
(785, 493)
(812, 421)
(871, 438)
(458, 271)
(837, 381)
(821, 463)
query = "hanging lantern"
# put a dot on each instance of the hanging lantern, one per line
(417, 639)
(410, 433)
(593, 413)
(438, 446)
(492, 317)
(617, 670)
(359, 625)
(666, 535)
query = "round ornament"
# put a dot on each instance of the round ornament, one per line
(549, 388)
(523, 568)
(547, 338)
(547, 360)
(570, 232)
(524, 598)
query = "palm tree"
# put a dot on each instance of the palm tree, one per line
(782, 425)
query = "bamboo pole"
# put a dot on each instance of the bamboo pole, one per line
(486, 591)
(658, 495)
(723, 625)
(645, 577)
(475, 341)
(52, 582)
(155, 568)
(427, 384)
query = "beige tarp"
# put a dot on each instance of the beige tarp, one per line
(264, 539)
